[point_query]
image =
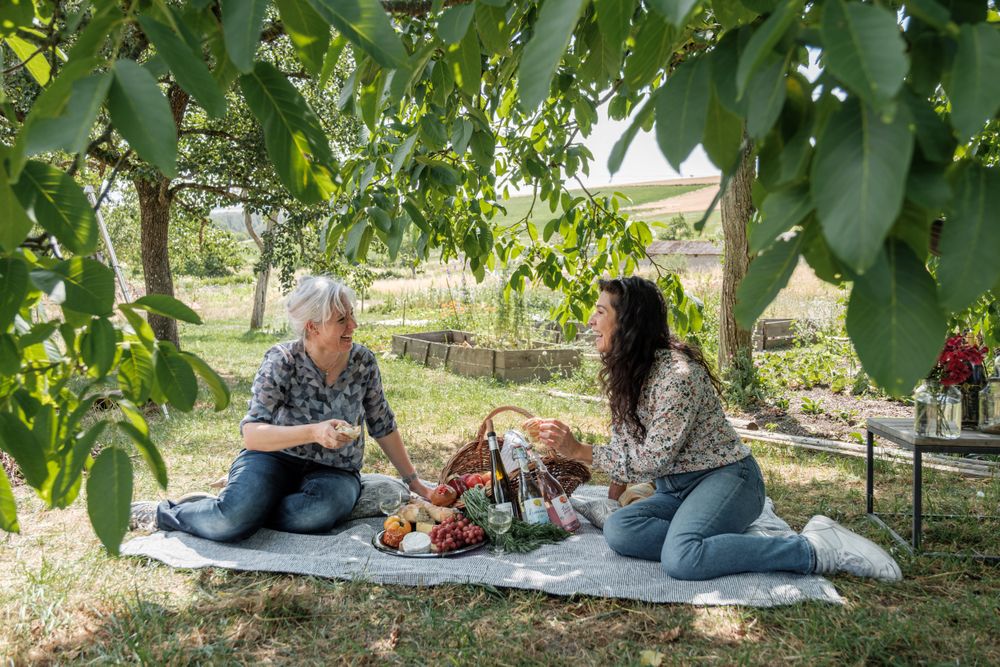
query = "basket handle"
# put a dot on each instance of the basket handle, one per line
(495, 412)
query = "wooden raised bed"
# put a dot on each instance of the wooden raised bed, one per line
(457, 351)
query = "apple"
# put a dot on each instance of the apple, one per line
(443, 495)
(472, 479)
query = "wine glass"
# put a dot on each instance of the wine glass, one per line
(499, 520)
(391, 501)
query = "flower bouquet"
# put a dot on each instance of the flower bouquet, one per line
(938, 402)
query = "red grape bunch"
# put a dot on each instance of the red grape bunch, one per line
(454, 533)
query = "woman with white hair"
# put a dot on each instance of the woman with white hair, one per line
(303, 441)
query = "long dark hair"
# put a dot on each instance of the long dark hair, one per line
(641, 330)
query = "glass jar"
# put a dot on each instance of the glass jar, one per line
(989, 406)
(937, 410)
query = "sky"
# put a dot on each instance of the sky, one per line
(643, 162)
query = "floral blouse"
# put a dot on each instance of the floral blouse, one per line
(290, 390)
(686, 429)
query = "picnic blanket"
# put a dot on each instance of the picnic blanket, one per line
(581, 565)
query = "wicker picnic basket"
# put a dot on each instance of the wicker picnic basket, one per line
(474, 456)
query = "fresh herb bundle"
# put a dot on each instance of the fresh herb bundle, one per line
(521, 538)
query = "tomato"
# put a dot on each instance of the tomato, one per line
(443, 495)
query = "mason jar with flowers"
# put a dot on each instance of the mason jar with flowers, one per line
(949, 398)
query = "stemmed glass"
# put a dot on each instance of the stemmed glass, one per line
(499, 520)
(391, 501)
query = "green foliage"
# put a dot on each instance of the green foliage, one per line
(813, 406)
(741, 383)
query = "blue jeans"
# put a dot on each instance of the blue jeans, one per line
(693, 525)
(268, 489)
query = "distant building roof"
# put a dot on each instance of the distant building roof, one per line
(682, 248)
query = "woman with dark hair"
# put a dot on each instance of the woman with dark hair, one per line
(667, 424)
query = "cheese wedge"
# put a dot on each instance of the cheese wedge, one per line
(424, 527)
(416, 543)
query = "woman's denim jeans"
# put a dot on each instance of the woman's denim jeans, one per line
(268, 489)
(693, 525)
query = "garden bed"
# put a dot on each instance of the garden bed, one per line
(457, 351)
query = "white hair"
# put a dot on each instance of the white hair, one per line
(315, 299)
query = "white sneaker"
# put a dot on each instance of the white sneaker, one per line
(839, 550)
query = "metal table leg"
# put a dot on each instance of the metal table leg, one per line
(917, 496)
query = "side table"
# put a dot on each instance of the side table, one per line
(900, 431)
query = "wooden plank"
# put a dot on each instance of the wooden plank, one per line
(437, 355)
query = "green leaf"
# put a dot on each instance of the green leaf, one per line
(17, 440)
(55, 201)
(723, 134)
(15, 14)
(894, 320)
(380, 219)
(37, 65)
(974, 88)
(478, 240)
(767, 275)
(187, 66)
(864, 49)
(80, 284)
(766, 97)
(16, 223)
(218, 386)
(309, 33)
(396, 234)
(858, 179)
(653, 45)
(168, 306)
(332, 57)
(241, 25)
(681, 108)
(454, 23)
(140, 328)
(8, 508)
(780, 212)
(109, 496)
(366, 24)
(14, 278)
(542, 53)
(70, 131)
(295, 140)
(148, 451)
(135, 373)
(99, 345)
(970, 238)
(66, 484)
(174, 377)
(10, 355)
(764, 39)
(142, 114)
(675, 11)
(494, 30)
(466, 64)
(622, 145)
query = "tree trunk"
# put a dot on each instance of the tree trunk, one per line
(154, 215)
(260, 289)
(737, 208)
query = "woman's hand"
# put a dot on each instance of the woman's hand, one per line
(327, 434)
(421, 489)
(557, 436)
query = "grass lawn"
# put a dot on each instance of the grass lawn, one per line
(64, 600)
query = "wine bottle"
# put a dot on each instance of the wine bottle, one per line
(502, 493)
(557, 504)
(531, 499)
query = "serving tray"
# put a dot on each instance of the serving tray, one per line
(377, 543)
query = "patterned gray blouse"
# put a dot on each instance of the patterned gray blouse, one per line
(290, 390)
(686, 429)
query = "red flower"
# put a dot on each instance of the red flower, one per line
(954, 365)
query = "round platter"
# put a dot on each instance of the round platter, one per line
(377, 543)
